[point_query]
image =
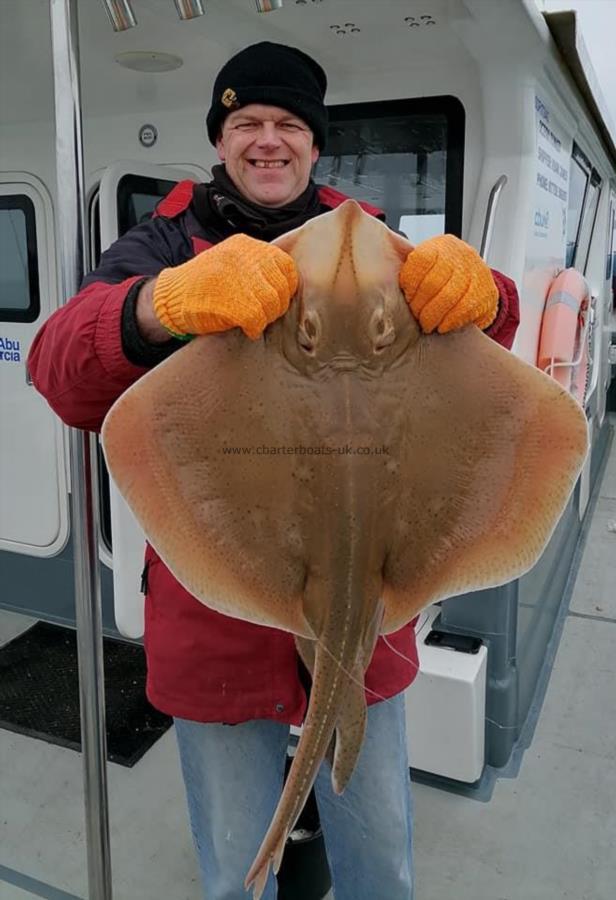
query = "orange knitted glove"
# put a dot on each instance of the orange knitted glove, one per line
(239, 282)
(448, 285)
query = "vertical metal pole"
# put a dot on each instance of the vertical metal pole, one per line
(72, 240)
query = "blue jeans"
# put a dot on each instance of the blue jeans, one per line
(234, 774)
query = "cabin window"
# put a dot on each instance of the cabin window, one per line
(611, 252)
(584, 194)
(402, 156)
(610, 269)
(19, 279)
(94, 221)
(591, 203)
(579, 173)
(104, 499)
(138, 196)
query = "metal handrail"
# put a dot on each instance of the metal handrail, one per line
(72, 251)
(486, 238)
(549, 369)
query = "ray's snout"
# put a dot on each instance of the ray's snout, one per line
(350, 307)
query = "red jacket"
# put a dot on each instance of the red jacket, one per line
(201, 665)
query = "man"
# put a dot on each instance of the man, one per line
(154, 288)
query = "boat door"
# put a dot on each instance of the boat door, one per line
(127, 195)
(34, 517)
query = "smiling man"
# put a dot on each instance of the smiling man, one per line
(269, 135)
(268, 154)
(204, 264)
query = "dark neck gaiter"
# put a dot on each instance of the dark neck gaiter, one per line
(223, 211)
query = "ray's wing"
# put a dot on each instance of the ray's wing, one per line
(189, 446)
(489, 455)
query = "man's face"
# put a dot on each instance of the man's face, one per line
(268, 153)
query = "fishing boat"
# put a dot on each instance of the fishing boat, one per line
(477, 118)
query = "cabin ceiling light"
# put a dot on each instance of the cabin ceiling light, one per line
(149, 61)
(189, 9)
(264, 6)
(120, 14)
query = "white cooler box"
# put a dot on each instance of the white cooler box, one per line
(445, 708)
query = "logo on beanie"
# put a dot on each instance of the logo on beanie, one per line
(229, 99)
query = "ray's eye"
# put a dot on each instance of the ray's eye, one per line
(306, 344)
(382, 331)
(307, 333)
(310, 327)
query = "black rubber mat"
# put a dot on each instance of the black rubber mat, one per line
(39, 693)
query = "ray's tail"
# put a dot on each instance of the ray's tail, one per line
(331, 689)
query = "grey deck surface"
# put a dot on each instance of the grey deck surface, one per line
(549, 834)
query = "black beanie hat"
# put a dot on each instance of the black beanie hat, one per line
(275, 75)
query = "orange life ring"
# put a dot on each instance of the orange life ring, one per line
(563, 345)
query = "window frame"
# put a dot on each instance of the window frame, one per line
(130, 184)
(593, 179)
(31, 313)
(596, 181)
(453, 111)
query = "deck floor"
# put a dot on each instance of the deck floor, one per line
(549, 834)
